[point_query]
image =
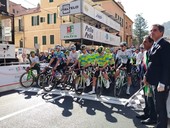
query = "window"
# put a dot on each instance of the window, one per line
(35, 20)
(20, 25)
(116, 15)
(35, 40)
(122, 23)
(51, 39)
(50, 1)
(43, 40)
(13, 10)
(21, 43)
(42, 19)
(51, 18)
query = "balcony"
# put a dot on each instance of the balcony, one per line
(19, 28)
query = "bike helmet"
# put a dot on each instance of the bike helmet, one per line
(112, 49)
(100, 49)
(32, 52)
(123, 44)
(73, 47)
(57, 47)
(83, 47)
(92, 49)
(107, 50)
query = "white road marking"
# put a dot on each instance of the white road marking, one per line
(106, 99)
(24, 110)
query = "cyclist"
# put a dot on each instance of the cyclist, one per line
(124, 55)
(73, 57)
(34, 62)
(111, 62)
(101, 62)
(83, 63)
(93, 56)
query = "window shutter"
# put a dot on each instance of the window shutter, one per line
(48, 18)
(32, 21)
(55, 18)
(38, 21)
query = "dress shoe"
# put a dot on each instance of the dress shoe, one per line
(142, 117)
(148, 122)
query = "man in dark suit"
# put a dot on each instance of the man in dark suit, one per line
(158, 73)
(149, 117)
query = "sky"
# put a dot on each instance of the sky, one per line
(153, 11)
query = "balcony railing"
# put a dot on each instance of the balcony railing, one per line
(19, 28)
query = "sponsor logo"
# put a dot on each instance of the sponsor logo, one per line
(67, 8)
(89, 32)
(70, 32)
(70, 29)
(99, 16)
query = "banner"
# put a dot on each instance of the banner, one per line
(70, 31)
(99, 16)
(88, 32)
(88, 10)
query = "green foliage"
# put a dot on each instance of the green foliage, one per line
(140, 28)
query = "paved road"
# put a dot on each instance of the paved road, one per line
(26, 109)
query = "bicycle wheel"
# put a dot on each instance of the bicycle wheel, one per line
(48, 83)
(99, 88)
(27, 80)
(135, 80)
(118, 87)
(40, 79)
(79, 90)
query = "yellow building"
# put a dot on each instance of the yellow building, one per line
(117, 10)
(41, 25)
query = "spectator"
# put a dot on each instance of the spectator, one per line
(149, 116)
(158, 73)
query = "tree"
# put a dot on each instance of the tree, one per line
(140, 28)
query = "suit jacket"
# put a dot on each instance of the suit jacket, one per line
(159, 64)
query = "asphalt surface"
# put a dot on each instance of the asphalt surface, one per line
(26, 109)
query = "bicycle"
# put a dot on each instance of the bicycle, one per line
(51, 80)
(101, 82)
(120, 82)
(28, 78)
(70, 76)
(42, 75)
(81, 83)
(135, 76)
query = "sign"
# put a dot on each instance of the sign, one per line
(3, 6)
(99, 16)
(88, 32)
(70, 31)
(70, 8)
(7, 51)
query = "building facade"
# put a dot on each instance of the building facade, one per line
(118, 12)
(40, 26)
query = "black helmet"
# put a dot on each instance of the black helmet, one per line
(123, 44)
(83, 47)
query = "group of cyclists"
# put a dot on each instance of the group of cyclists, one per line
(106, 60)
